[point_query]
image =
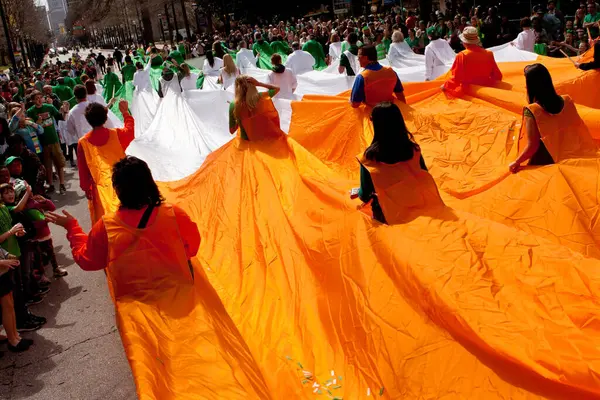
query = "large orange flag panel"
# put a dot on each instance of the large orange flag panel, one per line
(487, 289)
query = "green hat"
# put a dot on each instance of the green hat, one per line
(37, 73)
(10, 160)
(365, 28)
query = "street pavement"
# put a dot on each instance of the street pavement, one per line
(78, 354)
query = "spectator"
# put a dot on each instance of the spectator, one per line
(118, 56)
(46, 115)
(591, 20)
(32, 168)
(594, 64)
(526, 39)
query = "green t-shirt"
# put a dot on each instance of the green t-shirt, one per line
(70, 82)
(11, 244)
(381, 53)
(233, 119)
(181, 49)
(387, 43)
(592, 18)
(177, 56)
(48, 113)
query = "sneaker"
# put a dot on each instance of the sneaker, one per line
(51, 189)
(60, 272)
(63, 190)
(37, 318)
(42, 291)
(73, 164)
(28, 326)
(20, 347)
(55, 175)
(36, 299)
(28, 342)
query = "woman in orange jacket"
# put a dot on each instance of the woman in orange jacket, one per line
(145, 244)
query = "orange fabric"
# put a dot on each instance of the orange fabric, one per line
(100, 160)
(473, 66)
(404, 190)
(565, 135)
(379, 85)
(491, 297)
(262, 122)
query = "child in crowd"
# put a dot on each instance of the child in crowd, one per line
(33, 172)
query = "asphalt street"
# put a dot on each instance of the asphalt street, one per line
(78, 354)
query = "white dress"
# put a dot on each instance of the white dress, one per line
(286, 81)
(402, 56)
(145, 101)
(335, 52)
(229, 79)
(211, 74)
(189, 82)
(96, 98)
(245, 59)
(185, 129)
(300, 61)
(438, 56)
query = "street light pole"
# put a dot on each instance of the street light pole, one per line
(8, 42)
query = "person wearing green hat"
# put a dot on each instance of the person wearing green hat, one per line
(316, 50)
(128, 70)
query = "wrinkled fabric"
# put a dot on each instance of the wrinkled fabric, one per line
(299, 294)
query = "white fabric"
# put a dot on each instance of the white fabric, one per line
(335, 52)
(401, 55)
(228, 80)
(525, 40)
(286, 81)
(215, 70)
(245, 59)
(353, 60)
(186, 128)
(77, 126)
(99, 89)
(141, 79)
(438, 54)
(300, 61)
(189, 82)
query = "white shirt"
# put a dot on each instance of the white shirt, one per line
(525, 40)
(77, 125)
(286, 81)
(245, 59)
(228, 79)
(300, 61)
(438, 53)
(215, 70)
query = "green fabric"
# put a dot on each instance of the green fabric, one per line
(50, 136)
(281, 48)
(316, 50)
(592, 18)
(11, 244)
(264, 61)
(70, 82)
(412, 42)
(541, 49)
(344, 62)
(366, 190)
(125, 92)
(200, 81)
(381, 53)
(127, 72)
(177, 56)
(63, 92)
(111, 85)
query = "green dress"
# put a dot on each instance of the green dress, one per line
(280, 47)
(316, 50)
(111, 85)
(157, 61)
(181, 49)
(265, 51)
(127, 72)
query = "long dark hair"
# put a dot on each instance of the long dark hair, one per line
(392, 142)
(218, 50)
(210, 58)
(133, 182)
(540, 89)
